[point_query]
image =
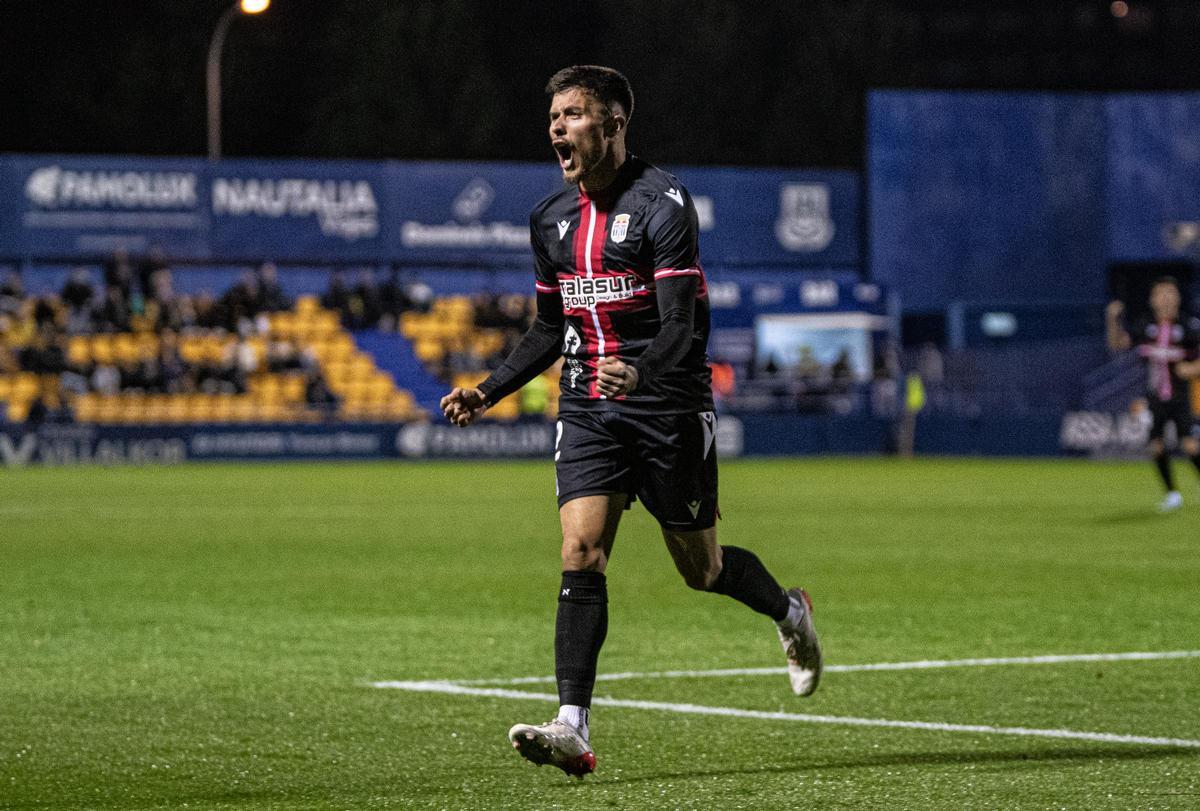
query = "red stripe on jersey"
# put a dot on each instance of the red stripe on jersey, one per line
(590, 335)
(546, 288)
(605, 339)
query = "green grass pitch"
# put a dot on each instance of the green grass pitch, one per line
(204, 637)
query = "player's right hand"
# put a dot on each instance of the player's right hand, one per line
(463, 406)
(1115, 309)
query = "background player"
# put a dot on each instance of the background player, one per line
(1168, 344)
(621, 295)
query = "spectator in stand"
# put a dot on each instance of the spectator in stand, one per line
(207, 315)
(223, 376)
(245, 357)
(420, 295)
(395, 301)
(12, 294)
(45, 312)
(318, 396)
(118, 273)
(149, 267)
(283, 356)
(271, 298)
(370, 302)
(105, 379)
(78, 295)
(842, 373)
(724, 383)
(337, 297)
(165, 310)
(172, 371)
(8, 360)
(21, 326)
(239, 307)
(135, 376)
(515, 312)
(44, 355)
(113, 313)
(486, 307)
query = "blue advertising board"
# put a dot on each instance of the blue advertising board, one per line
(87, 207)
(66, 208)
(299, 210)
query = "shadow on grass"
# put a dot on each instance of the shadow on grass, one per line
(1121, 753)
(1143, 516)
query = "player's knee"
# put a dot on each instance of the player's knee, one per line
(582, 555)
(1156, 447)
(701, 578)
(1191, 446)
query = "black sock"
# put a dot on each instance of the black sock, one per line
(1163, 462)
(579, 631)
(743, 577)
(1196, 462)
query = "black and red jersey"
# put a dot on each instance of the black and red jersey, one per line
(602, 255)
(1163, 344)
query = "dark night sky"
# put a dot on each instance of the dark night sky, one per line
(762, 83)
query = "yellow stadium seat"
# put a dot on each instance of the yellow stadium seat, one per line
(506, 410)
(147, 345)
(102, 349)
(17, 410)
(25, 386)
(79, 351)
(292, 388)
(125, 348)
(85, 407)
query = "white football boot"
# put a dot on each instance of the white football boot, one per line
(799, 638)
(1171, 502)
(557, 743)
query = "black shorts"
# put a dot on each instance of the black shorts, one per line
(1178, 411)
(668, 461)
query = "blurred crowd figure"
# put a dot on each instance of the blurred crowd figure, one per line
(367, 304)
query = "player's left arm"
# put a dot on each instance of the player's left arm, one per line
(674, 232)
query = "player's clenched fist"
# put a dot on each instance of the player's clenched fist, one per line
(463, 406)
(615, 378)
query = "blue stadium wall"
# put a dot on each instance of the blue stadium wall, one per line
(1026, 197)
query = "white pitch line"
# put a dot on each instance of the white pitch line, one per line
(929, 664)
(840, 720)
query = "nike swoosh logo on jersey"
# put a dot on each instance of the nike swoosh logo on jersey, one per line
(563, 225)
(675, 195)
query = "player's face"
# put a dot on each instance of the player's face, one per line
(1164, 300)
(578, 133)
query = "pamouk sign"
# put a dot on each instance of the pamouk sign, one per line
(61, 207)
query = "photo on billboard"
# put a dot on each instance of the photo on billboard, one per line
(814, 344)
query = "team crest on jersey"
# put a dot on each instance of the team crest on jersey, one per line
(620, 227)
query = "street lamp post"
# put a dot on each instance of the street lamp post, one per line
(213, 83)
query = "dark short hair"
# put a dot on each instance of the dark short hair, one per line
(1171, 280)
(609, 86)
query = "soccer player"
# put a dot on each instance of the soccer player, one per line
(1168, 344)
(622, 298)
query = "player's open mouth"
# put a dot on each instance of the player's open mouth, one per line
(566, 155)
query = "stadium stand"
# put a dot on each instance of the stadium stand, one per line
(250, 356)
